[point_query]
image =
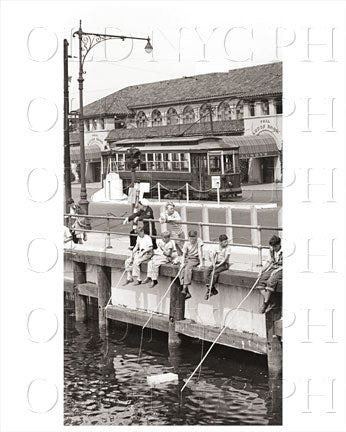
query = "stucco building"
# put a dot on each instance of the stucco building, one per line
(245, 101)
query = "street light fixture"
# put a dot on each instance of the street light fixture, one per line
(87, 41)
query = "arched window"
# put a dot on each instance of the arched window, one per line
(265, 107)
(141, 119)
(172, 116)
(204, 113)
(188, 115)
(278, 104)
(224, 111)
(156, 118)
(239, 111)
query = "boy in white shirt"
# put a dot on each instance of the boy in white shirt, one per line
(143, 251)
(163, 255)
(220, 263)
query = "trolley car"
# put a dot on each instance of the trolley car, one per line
(173, 162)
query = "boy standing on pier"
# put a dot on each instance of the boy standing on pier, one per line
(271, 274)
(192, 257)
(163, 255)
(220, 262)
(143, 251)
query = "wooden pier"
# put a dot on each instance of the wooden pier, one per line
(94, 275)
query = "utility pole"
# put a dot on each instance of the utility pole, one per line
(67, 161)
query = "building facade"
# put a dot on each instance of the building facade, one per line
(245, 101)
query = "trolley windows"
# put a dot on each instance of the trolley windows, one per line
(215, 164)
(228, 161)
(165, 162)
(154, 162)
(221, 163)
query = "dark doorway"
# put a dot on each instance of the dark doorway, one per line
(267, 165)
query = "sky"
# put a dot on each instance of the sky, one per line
(188, 38)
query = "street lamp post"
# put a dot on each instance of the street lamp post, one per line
(87, 41)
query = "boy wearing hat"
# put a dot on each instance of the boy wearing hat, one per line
(192, 257)
(144, 212)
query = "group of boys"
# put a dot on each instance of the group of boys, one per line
(192, 257)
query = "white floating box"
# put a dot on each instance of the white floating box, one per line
(155, 380)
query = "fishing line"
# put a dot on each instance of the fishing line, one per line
(152, 313)
(117, 285)
(219, 335)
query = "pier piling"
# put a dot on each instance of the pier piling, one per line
(176, 312)
(79, 277)
(104, 283)
(274, 348)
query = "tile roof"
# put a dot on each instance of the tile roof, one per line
(220, 128)
(243, 82)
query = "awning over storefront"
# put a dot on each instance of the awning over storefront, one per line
(92, 153)
(254, 145)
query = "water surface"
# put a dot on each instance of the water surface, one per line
(106, 380)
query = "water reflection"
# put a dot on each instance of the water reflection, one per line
(106, 381)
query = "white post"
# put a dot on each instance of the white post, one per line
(256, 235)
(164, 225)
(229, 229)
(280, 219)
(159, 191)
(205, 219)
(218, 194)
(254, 222)
(183, 215)
(187, 193)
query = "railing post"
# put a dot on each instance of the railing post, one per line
(79, 277)
(159, 191)
(229, 229)
(280, 219)
(164, 225)
(109, 246)
(187, 193)
(260, 257)
(205, 220)
(254, 223)
(183, 214)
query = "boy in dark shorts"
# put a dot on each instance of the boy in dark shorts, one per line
(192, 257)
(271, 274)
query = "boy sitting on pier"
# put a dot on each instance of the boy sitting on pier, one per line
(271, 274)
(163, 255)
(143, 251)
(192, 257)
(219, 263)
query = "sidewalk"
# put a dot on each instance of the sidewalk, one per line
(242, 258)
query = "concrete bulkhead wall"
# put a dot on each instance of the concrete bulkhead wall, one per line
(233, 287)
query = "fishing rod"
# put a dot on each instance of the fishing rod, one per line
(207, 297)
(158, 305)
(219, 335)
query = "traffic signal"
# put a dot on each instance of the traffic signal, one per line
(133, 156)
